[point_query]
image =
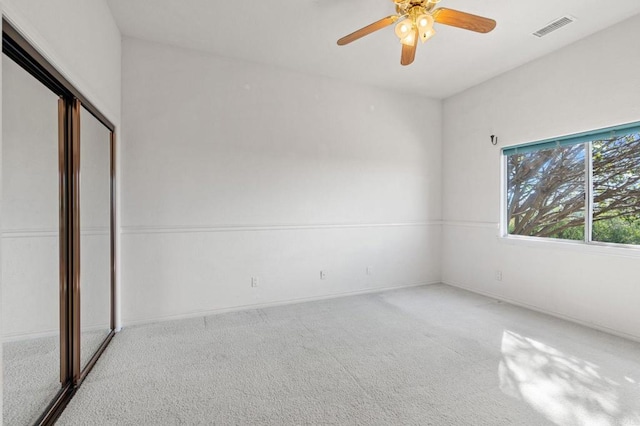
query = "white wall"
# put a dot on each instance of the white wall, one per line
(81, 39)
(592, 84)
(232, 170)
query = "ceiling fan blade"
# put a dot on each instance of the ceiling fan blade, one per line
(463, 20)
(409, 51)
(378, 25)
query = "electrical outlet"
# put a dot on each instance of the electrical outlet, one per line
(323, 275)
(498, 275)
(254, 281)
(369, 270)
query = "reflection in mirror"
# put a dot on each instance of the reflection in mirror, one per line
(30, 246)
(95, 235)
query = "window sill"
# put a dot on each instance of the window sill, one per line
(608, 249)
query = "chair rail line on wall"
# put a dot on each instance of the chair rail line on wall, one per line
(133, 230)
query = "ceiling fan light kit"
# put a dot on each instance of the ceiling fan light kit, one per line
(414, 20)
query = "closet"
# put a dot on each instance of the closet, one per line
(58, 247)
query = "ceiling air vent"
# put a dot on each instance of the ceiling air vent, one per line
(555, 25)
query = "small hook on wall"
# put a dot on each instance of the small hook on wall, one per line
(494, 140)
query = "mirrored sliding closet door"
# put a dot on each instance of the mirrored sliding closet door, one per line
(58, 192)
(95, 235)
(30, 245)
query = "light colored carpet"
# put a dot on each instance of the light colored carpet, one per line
(31, 374)
(31, 378)
(427, 355)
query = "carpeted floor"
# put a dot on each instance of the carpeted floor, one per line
(31, 374)
(31, 378)
(426, 355)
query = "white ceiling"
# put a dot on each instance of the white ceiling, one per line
(301, 35)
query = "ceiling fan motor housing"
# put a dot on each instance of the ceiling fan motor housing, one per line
(404, 7)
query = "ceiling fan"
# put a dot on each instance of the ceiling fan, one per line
(416, 22)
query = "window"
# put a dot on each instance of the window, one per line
(583, 187)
